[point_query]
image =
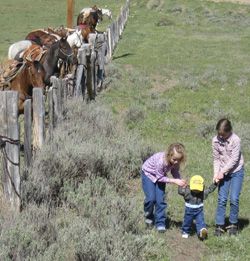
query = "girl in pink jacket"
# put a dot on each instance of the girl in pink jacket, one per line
(229, 171)
(154, 179)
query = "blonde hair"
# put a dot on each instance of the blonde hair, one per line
(176, 148)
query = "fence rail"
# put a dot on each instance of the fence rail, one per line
(88, 79)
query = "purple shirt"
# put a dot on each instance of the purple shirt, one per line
(156, 168)
(227, 155)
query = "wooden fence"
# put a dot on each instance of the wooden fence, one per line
(88, 79)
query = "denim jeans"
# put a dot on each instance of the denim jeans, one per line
(154, 202)
(232, 183)
(191, 214)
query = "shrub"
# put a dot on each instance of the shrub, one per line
(76, 205)
(134, 114)
(155, 4)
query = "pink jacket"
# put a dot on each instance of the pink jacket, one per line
(156, 168)
(227, 156)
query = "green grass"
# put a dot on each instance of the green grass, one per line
(18, 18)
(171, 83)
(197, 66)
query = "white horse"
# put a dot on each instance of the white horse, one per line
(16, 50)
(106, 12)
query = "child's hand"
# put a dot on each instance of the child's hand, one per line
(218, 177)
(180, 182)
(216, 181)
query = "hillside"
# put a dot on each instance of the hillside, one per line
(179, 67)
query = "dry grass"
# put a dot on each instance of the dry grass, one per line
(246, 2)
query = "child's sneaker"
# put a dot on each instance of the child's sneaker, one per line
(203, 233)
(184, 235)
(161, 229)
(149, 223)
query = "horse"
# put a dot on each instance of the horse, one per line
(23, 77)
(90, 18)
(105, 12)
(42, 37)
(49, 58)
(75, 39)
(85, 31)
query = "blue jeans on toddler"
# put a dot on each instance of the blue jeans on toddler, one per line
(191, 214)
(232, 183)
(154, 202)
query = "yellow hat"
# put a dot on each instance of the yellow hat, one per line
(197, 183)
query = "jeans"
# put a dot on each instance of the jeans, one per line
(191, 214)
(154, 202)
(232, 183)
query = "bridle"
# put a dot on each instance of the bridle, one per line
(65, 54)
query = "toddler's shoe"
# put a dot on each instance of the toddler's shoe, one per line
(203, 233)
(161, 229)
(149, 223)
(184, 235)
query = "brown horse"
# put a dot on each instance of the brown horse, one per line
(49, 58)
(85, 31)
(23, 77)
(42, 37)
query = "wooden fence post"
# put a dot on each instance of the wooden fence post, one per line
(38, 118)
(109, 53)
(51, 113)
(101, 50)
(9, 128)
(92, 42)
(81, 74)
(27, 133)
(57, 100)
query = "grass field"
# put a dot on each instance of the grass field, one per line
(179, 67)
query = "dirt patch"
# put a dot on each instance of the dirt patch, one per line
(246, 2)
(191, 249)
(128, 67)
(160, 84)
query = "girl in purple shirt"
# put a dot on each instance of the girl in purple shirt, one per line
(229, 171)
(154, 179)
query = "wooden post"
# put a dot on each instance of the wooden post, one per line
(93, 74)
(100, 59)
(70, 11)
(9, 127)
(109, 44)
(27, 133)
(57, 100)
(51, 113)
(65, 89)
(80, 88)
(38, 118)
(113, 36)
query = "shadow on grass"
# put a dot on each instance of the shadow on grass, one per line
(122, 56)
(243, 223)
(177, 224)
(173, 223)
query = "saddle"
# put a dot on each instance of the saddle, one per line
(34, 53)
(10, 70)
